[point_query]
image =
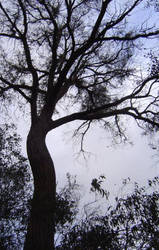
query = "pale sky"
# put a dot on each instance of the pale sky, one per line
(116, 162)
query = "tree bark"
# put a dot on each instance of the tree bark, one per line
(40, 232)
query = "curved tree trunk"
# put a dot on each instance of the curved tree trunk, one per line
(40, 233)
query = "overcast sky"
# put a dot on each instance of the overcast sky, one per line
(138, 161)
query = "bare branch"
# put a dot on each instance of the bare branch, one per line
(15, 87)
(112, 24)
(25, 23)
(89, 116)
(129, 37)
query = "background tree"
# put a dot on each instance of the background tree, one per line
(77, 54)
(15, 189)
(132, 222)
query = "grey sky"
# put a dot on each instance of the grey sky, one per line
(115, 162)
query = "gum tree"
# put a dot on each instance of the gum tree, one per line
(78, 55)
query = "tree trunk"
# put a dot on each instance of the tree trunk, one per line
(40, 233)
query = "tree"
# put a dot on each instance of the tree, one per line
(131, 223)
(77, 54)
(15, 189)
(16, 193)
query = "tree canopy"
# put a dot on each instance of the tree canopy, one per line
(81, 50)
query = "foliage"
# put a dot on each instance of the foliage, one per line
(96, 186)
(132, 223)
(15, 189)
(66, 207)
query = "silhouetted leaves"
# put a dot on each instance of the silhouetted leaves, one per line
(132, 223)
(15, 189)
